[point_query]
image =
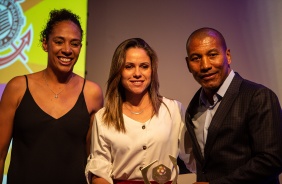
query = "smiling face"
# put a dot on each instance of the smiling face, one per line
(136, 74)
(209, 61)
(63, 46)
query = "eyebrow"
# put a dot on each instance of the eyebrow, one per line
(63, 38)
(142, 62)
(209, 51)
(213, 50)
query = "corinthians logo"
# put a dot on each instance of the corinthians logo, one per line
(12, 44)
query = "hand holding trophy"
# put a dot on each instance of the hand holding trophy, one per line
(161, 173)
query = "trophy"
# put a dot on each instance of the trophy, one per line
(161, 174)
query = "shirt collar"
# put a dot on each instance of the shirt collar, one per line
(220, 93)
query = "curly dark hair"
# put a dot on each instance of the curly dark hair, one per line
(56, 16)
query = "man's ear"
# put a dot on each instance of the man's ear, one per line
(228, 55)
(187, 63)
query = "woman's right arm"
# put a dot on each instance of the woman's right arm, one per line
(10, 99)
(98, 180)
(99, 167)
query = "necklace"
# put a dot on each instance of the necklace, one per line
(134, 112)
(56, 94)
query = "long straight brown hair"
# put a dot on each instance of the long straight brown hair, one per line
(115, 94)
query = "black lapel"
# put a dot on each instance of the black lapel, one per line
(222, 111)
(190, 112)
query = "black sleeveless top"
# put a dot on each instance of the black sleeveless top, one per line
(47, 150)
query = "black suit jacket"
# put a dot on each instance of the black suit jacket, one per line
(244, 137)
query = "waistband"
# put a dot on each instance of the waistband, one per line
(136, 182)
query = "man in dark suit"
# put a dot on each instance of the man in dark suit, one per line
(235, 124)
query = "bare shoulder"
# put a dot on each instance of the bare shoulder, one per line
(92, 88)
(93, 96)
(14, 91)
(18, 81)
(16, 85)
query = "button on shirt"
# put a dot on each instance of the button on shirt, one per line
(120, 156)
(206, 111)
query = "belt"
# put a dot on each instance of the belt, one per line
(136, 182)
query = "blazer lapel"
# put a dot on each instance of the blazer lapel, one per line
(222, 111)
(190, 112)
